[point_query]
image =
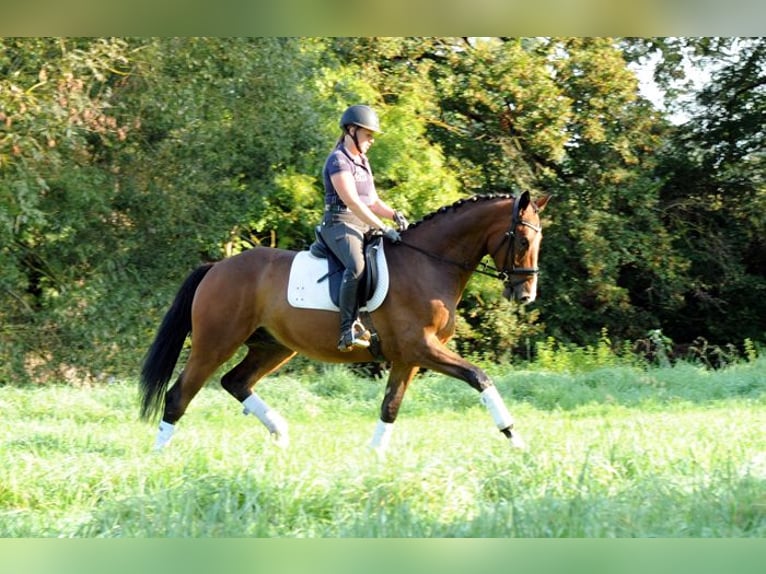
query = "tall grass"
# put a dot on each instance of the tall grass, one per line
(615, 451)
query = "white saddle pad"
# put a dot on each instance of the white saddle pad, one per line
(304, 292)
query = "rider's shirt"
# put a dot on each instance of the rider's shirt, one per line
(340, 160)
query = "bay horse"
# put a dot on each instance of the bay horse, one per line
(242, 300)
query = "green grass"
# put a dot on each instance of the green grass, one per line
(614, 452)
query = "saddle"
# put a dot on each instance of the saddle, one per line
(316, 275)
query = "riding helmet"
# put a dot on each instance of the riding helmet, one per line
(362, 116)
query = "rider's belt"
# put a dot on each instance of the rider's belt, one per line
(335, 208)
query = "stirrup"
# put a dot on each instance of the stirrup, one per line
(350, 340)
(360, 331)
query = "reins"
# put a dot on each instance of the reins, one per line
(484, 268)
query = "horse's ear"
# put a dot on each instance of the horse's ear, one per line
(542, 202)
(524, 201)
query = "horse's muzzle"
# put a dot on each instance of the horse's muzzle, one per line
(524, 292)
(524, 299)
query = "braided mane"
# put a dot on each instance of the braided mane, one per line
(460, 203)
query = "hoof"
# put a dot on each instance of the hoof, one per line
(159, 448)
(379, 452)
(281, 439)
(517, 442)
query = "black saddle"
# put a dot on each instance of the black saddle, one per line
(335, 268)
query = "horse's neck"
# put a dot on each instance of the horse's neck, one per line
(460, 236)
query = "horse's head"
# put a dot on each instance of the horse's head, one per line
(517, 251)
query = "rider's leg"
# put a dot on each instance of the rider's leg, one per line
(347, 243)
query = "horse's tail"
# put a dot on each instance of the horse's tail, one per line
(162, 356)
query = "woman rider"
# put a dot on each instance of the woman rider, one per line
(352, 208)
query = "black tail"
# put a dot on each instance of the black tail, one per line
(162, 356)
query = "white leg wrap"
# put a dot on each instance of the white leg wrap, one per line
(382, 436)
(270, 418)
(496, 407)
(164, 435)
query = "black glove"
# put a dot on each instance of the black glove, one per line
(392, 234)
(401, 221)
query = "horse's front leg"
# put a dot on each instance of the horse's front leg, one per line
(439, 358)
(491, 399)
(398, 380)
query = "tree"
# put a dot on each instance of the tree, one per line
(55, 115)
(125, 163)
(714, 195)
(548, 115)
(609, 249)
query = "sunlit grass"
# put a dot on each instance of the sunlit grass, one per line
(614, 452)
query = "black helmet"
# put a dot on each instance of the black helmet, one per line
(362, 116)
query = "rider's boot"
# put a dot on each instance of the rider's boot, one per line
(351, 336)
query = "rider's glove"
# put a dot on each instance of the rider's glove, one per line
(392, 234)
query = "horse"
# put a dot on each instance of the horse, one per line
(241, 301)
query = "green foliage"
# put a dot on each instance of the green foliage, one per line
(118, 222)
(58, 122)
(613, 267)
(715, 196)
(125, 162)
(491, 329)
(712, 195)
(560, 357)
(751, 352)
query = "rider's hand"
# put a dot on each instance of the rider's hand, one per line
(401, 221)
(392, 234)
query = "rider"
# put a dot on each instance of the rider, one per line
(352, 208)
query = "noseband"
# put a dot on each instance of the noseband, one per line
(505, 273)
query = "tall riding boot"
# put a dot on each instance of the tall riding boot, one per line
(349, 339)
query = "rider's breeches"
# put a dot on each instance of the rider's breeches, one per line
(346, 240)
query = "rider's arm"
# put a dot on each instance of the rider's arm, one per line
(382, 209)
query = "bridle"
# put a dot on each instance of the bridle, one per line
(505, 274)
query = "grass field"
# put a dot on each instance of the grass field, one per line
(613, 452)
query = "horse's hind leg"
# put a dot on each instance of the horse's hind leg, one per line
(213, 343)
(399, 379)
(177, 399)
(265, 355)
